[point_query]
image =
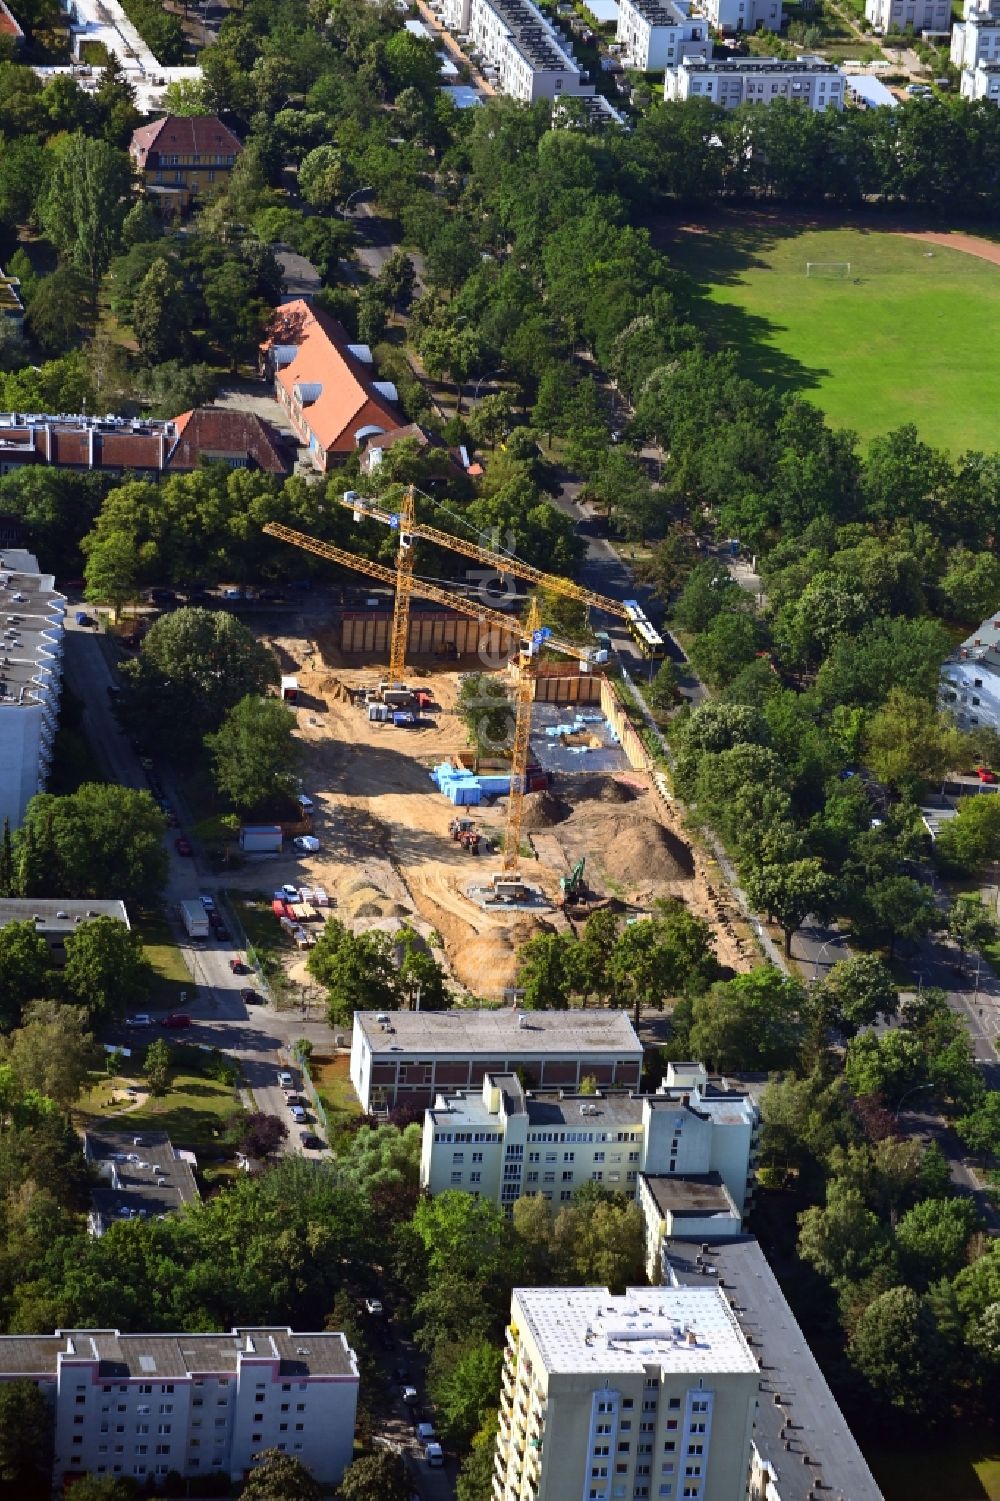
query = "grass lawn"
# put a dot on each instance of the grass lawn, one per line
(193, 1111)
(334, 1087)
(910, 336)
(962, 1471)
(172, 974)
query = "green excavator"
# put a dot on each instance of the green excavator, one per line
(572, 886)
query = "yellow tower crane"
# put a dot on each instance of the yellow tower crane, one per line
(532, 637)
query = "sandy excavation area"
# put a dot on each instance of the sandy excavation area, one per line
(387, 857)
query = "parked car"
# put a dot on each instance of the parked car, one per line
(311, 1142)
(374, 1307)
(285, 1079)
(239, 968)
(298, 1114)
(410, 1395)
(82, 618)
(141, 1019)
(296, 1099)
(251, 997)
(434, 1455)
(176, 1019)
(182, 845)
(208, 902)
(425, 1432)
(986, 776)
(221, 932)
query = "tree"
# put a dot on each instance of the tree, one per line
(54, 309)
(464, 1385)
(755, 1021)
(599, 1239)
(254, 752)
(158, 1066)
(969, 923)
(161, 314)
(25, 1441)
(195, 665)
(709, 589)
(546, 971)
(282, 1477)
(105, 1488)
(421, 978)
(843, 1240)
(258, 1134)
(908, 743)
(789, 892)
(375, 1477)
(111, 572)
(971, 839)
(897, 1348)
(932, 1239)
(669, 954)
(856, 993)
(550, 401)
(25, 962)
(86, 202)
(888, 1064)
(490, 419)
(451, 352)
(97, 841)
(730, 643)
(52, 1051)
(899, 907)
(484, 708)
(107, 972)
(355, 969)
(475, 1478)
(980, 1128)
(664, 691)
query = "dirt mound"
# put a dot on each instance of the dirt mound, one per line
(591, 788)
(636, 850)
(543, 809)
(488, 962)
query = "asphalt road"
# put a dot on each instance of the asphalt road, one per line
(257, 1037)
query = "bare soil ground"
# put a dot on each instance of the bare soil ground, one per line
(386, 854)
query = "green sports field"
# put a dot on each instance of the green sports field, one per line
(911, 335)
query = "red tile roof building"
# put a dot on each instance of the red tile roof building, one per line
(9, 27)
(184, 155)
(241, 440)
(326, 384)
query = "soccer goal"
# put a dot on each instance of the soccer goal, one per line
(832, 270)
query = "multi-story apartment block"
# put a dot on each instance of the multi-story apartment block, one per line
(58, 918)
(31, 622)
(909, 15)
(802, 1447)
(970, 679)
(656, 34)
(501, 1142)
(532, 58)
(648, 1394)
(698, 1207)
(414, 1056)
(975, 49)
(732, 16)
(142, 1405)
(757, 80)
(149, 447)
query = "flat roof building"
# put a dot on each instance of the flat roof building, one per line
(416, 1055)
(500, 1141)
(57, 918)
(656, 34)
(648, 1393)
(970, 678)
(31, 623)
(734, 16)
(729, 82)
(143, 1405)
(802, 1445)
(147, 446)
(143, 1176)
(909, 15)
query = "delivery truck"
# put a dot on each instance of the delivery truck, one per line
(195, 919)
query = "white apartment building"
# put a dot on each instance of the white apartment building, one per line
(656, 34)
(732, 16)
(909, 15)
(412, 1056)
(970, 679)
(202, 1404)
(501, 1142)
(647, 1394)
(532, 57)
(757, 80)
(31, 622)
(975, 47)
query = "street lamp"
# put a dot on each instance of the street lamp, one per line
(915, 1090)
(351, 197)
(837, 938)
(489, 376)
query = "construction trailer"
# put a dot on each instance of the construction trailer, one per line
(261, 839)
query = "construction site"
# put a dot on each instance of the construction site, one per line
(477, 856)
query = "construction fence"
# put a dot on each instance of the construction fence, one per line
(309, 1086)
